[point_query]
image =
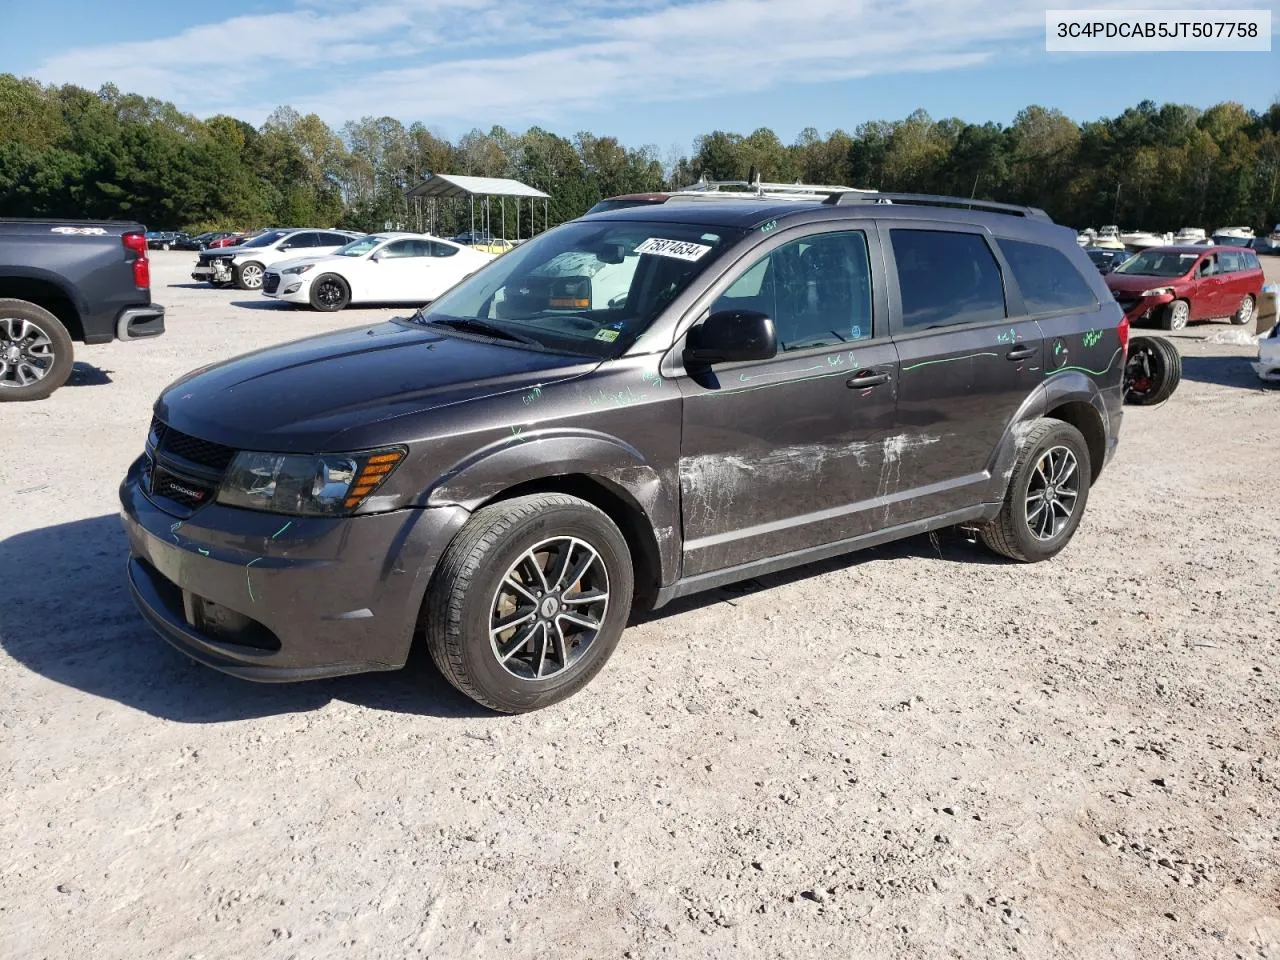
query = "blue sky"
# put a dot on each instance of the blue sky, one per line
(646, 71)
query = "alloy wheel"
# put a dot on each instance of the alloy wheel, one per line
(548, 608)
(251, 275)
(1179, 312)
(1052, 492)
(26, 353)
(329, 292)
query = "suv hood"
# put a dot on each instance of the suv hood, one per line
(350, 390)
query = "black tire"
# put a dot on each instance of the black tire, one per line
(32, 338)
(320, 298)
(465, 591)
(248, 275)
(1010, 533)
(1174, 359)
(1152, 371)
(1176, 315)
(1244, 312)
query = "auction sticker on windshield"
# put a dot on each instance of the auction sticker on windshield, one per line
(677, 249)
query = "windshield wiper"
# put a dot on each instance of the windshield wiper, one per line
(474, 325)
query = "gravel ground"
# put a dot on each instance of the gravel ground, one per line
(917, 751)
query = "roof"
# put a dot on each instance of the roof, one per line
(747, 214)
(454, 187)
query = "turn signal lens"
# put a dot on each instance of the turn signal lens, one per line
(373, 472)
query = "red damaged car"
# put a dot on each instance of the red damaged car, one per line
(1176, 285)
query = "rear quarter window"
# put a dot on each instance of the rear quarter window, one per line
(1047, 279)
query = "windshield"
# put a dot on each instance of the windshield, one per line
(1230, 241)
(357, 248)
(1153, 263)
(588, 288)
(265, 239)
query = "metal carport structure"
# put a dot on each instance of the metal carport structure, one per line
(442, 186)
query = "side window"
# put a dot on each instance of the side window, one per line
(334, 240)
(301, 241)
(816, 289)
(946, 278)
(394, 251)
(1047, 279)
(1230, 262)
(1207, 267)
(442, 249)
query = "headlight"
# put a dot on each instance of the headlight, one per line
(326, 485)
(302, 269)
(1157, 292)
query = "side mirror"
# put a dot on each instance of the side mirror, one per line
(375, 256)
(731, 336)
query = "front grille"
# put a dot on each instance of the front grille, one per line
(183, 490)
(270, 282)
(204, 453)
(1127, 303)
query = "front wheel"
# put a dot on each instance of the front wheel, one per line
(1047, 493)
(248, 275)
(529, 601)
(36, 352)
(1245, 311)
(330, 293)
(1176, 315)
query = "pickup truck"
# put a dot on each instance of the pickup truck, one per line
(68, 280)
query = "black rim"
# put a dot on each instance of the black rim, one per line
(549, 608)
(329, 292)
(1143, 370)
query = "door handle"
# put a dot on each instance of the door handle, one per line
(1021, 353)
(866, 379)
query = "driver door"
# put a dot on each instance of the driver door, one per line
(402, 273)
(786, 454)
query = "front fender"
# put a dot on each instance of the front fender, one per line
(545, 454)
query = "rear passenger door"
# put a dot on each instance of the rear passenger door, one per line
(969, 355)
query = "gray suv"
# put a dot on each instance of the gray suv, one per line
(635, 406)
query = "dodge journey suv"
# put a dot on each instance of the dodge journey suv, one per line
(512, 470)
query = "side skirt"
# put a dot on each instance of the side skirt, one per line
(756, 568)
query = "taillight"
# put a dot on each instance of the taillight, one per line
(1123, 331)
(137, 243)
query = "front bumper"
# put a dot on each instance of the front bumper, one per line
(1146, 308)
(291, 288)
(272, 598)
(214, 271)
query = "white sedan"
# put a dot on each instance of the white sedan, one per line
(380, 268)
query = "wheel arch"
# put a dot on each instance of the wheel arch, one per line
(1069, 396)
(47, 291)
(607, 473)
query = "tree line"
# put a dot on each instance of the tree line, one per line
(69, 152)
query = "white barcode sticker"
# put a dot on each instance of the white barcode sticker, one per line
(676, 249)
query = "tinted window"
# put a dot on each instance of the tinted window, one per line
(817, 290)
(333, 240)
(442, 249)
(946, 278)
(1046, 278)
(401, 248)
(301, 241)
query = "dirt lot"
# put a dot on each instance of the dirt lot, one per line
(918, 751)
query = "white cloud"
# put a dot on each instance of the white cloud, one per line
(438, 59)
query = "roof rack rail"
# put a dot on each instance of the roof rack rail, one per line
(763, 188)
(931, 200)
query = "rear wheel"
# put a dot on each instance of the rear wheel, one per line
(1245, 312)
(1152, 371)
(36, 352)
(248, 275)
(1176, 315)
(330, 293)
(1047, 493)
(529, 601)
